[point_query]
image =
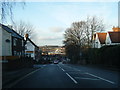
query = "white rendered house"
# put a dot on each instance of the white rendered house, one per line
(5, 42)
(99, 40)
(113, 38)
(31, 48)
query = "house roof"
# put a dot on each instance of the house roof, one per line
(13, 33)
(115, 37)
(116, 29)
(32, 42)
(102, 37)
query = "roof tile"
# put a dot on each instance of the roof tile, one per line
(115, 37)
(102, 37)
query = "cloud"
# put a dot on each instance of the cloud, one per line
(50, 38)
(56, 29)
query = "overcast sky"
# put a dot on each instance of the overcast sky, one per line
(51, 19)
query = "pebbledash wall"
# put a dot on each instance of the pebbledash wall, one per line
(6, 46)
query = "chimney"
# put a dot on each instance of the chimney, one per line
(26, 36)
(116, 29)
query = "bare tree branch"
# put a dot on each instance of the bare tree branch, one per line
(7, 7)
(23, 28)
(81, 33)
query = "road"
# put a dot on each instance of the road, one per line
(68, 76)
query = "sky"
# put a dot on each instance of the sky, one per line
(51, 18)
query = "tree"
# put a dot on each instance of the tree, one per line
(92, 25)
(72, 52)
(74, 40)
(80, 34)
(95, 25)
(75, 34)
(23, 28)
(6, 7)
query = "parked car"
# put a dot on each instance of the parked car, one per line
(56, 62)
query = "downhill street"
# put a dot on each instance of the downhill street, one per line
(69, 76)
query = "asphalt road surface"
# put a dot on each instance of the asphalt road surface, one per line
(69, 76)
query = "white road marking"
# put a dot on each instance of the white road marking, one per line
(88, 74)
(31, 73)
(14, 83)
(72, 78)
(61, 68)
(69, 76)
(87, 78)
(101, 78)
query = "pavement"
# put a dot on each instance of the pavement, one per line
(9, 77)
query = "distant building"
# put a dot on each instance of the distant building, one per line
(12, 43)
(52, 50)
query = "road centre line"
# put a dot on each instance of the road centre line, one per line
(69, 76)
(61, 68)
(91, 75)
(74, 69)
(72, 78)
(101, 78)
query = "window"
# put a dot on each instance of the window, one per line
(20, 53)
(25, 47)
(14, 41)
(22, 43)
(14, 53)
